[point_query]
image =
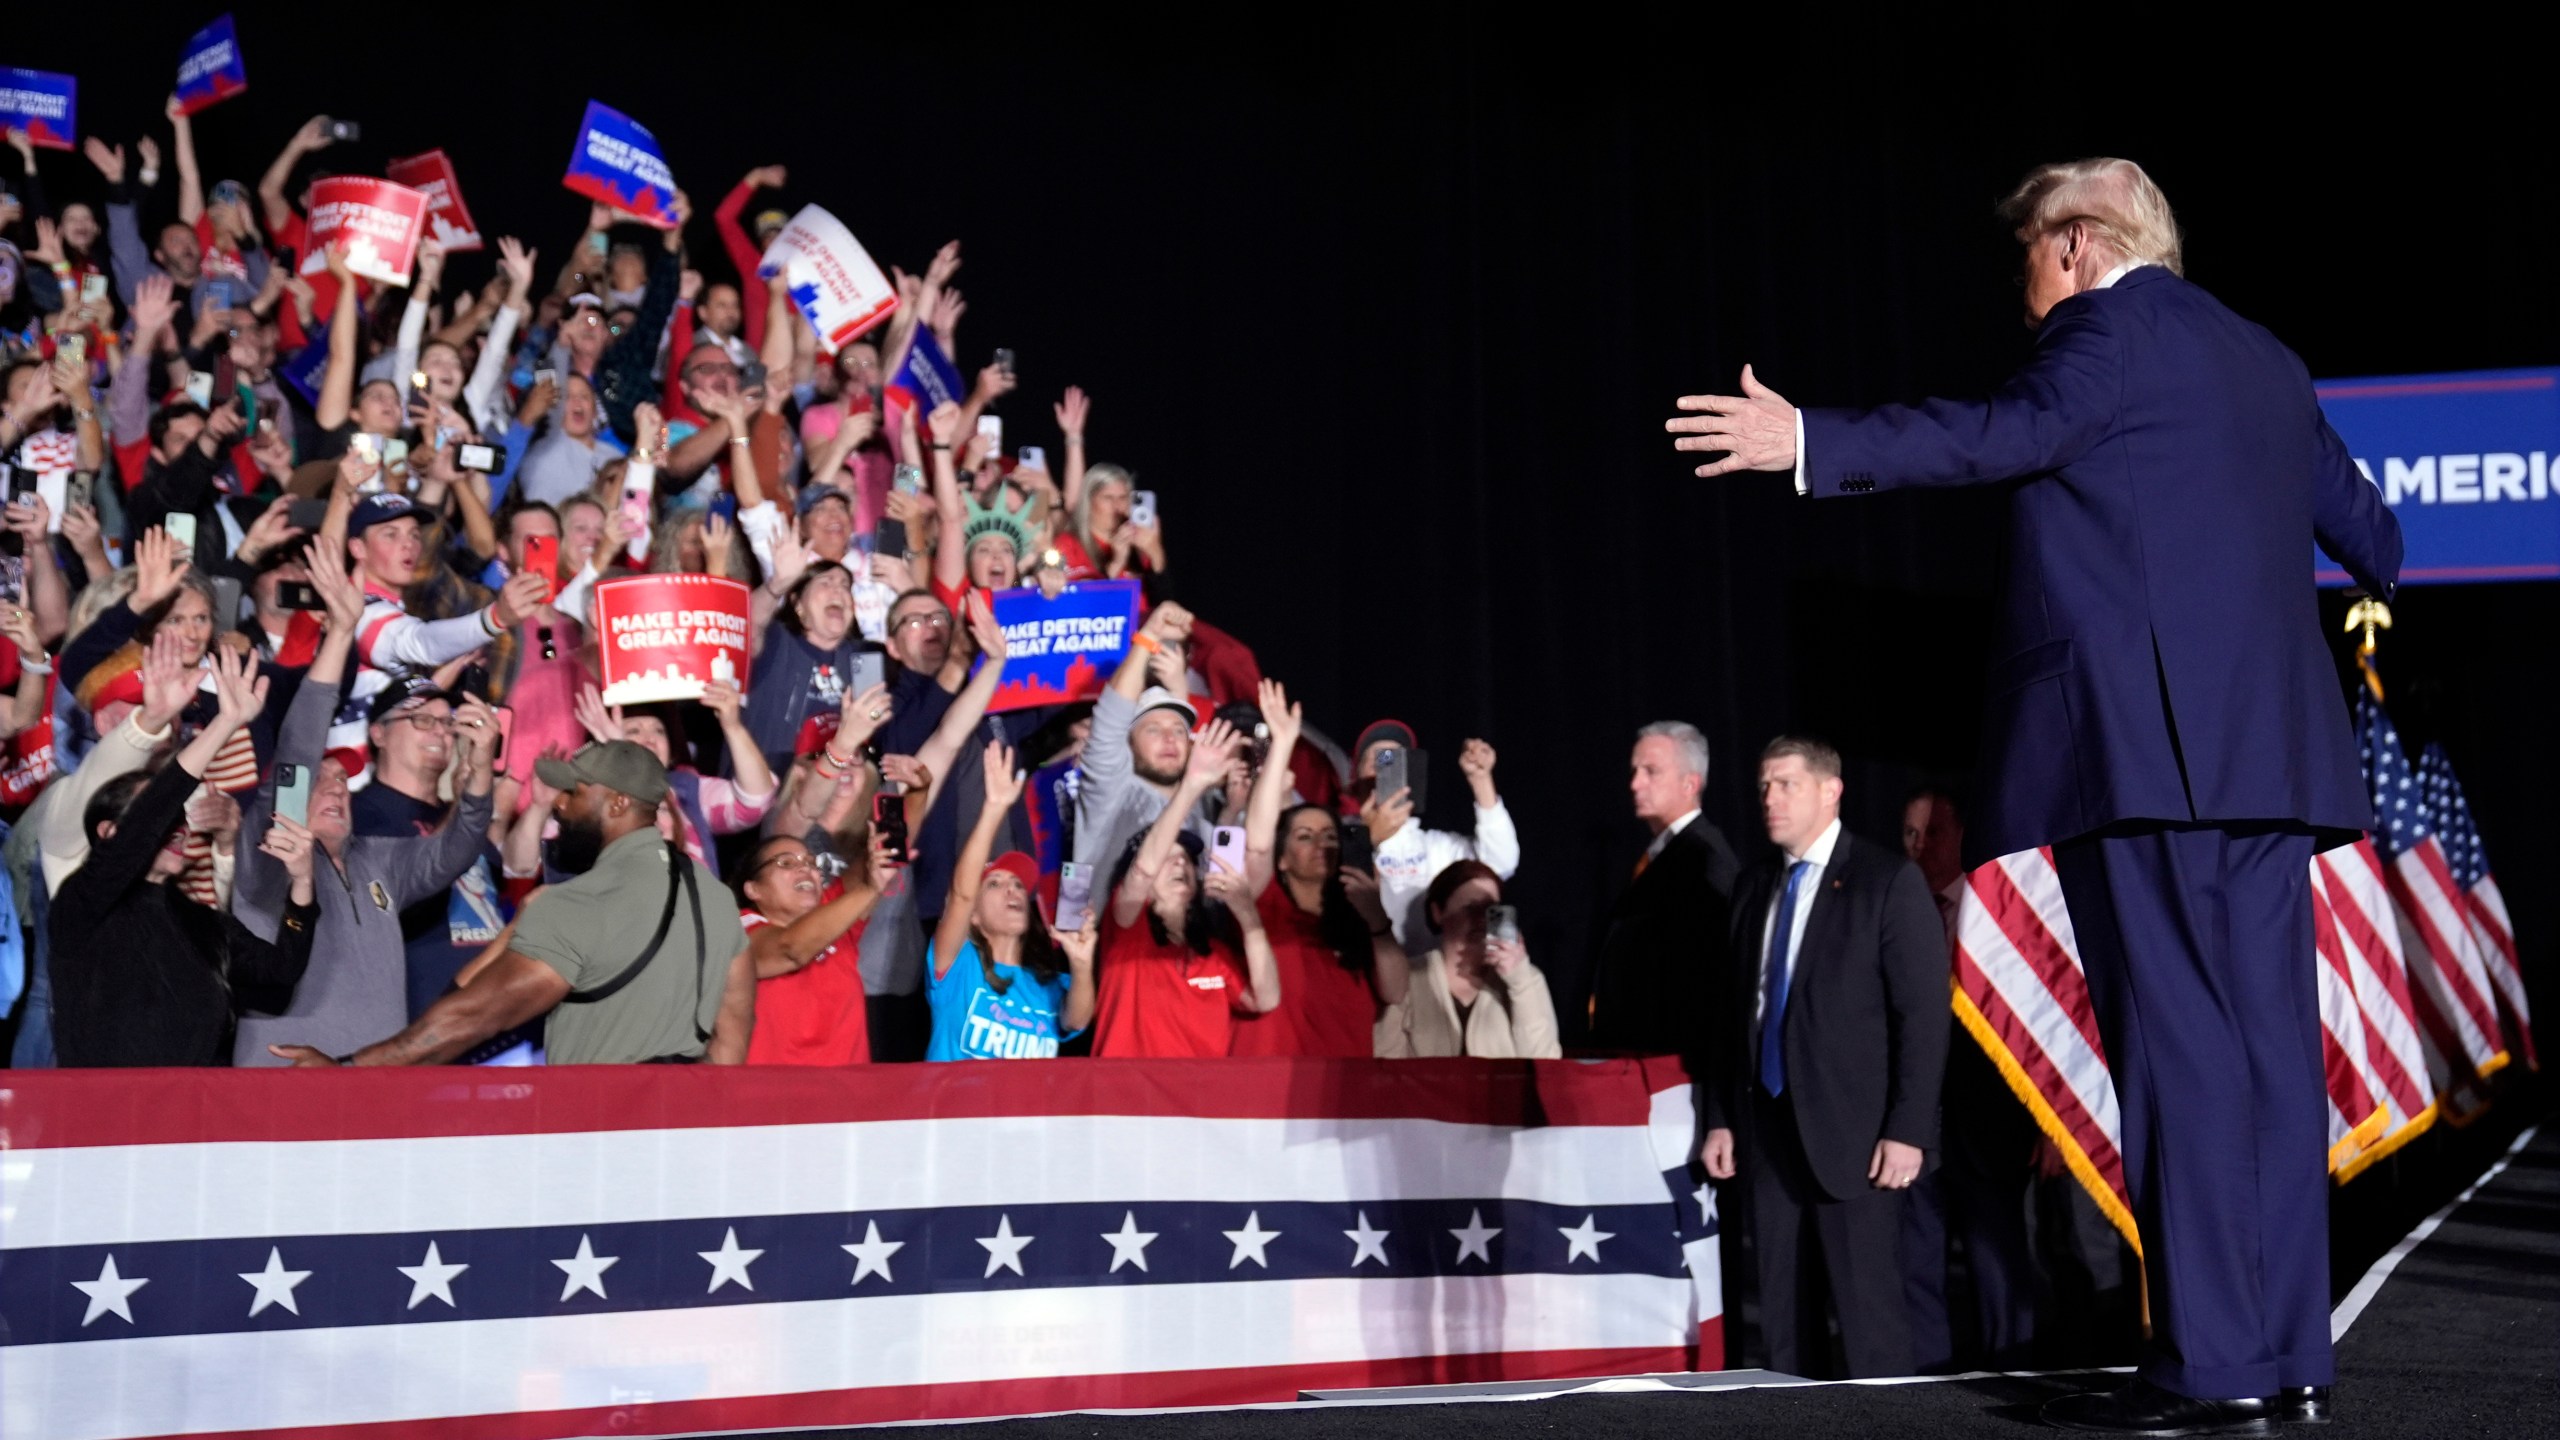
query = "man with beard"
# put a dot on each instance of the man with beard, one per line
(359, 984)
(642, 954)
(1140, 744)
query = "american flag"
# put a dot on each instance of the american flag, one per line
(647, 1250)
(2357, 939)
(2468, 861)
(2448, 981)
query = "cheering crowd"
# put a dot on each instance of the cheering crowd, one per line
(307, 760)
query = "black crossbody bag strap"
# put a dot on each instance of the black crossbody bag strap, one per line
(679, 872)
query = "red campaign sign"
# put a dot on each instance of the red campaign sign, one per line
(448, 219)
(666, 636)
(380, 222)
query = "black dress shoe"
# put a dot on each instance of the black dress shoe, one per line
(2303, 1405)
(2143, 1408)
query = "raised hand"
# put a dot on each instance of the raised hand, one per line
(48, 246)
(722, 699)
(946, 263)
(769, 177)
(477, 727)
(649, 426)
(861, 716)
(168, 681)
(908, 771)
(290, 845)
(944, 422)
(515, 262)
(335, 254)
(1360, 887)
(1071, 412)
(338, 589)
(1003, 782)
(109, 159)
(602, 724)
(314, 135)
(790, 560)
(994, 383)
(717, 535)
(31, 520)
(19, 625)
(984, 629)
(158, 562)
(1078, 944)
(1286, 720)
(1756, 429)
(688, 285)
(1476, 763)
(1211, 749)
(148, 148)
(239, 691)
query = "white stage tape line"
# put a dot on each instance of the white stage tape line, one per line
(2371, 1285)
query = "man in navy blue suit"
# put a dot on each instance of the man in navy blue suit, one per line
(2163, 714)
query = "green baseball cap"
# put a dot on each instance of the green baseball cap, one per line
(614, 764)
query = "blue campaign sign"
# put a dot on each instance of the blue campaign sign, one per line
(1063, 649)
(210, 68)
(2466, 461)
(304, 369)
(929, 375)
(45, 105)
(618, 162)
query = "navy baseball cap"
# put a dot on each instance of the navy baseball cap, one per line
(380, 509)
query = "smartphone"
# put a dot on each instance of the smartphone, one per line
(226, 604)
(639, 491)
(1142, 507)
(1075, 897)
(991, 429)
(299, 595)
(1357, 852)
(1502, 925)
(1226, 849)
(345, 130)
(725, 505)
(1004, 361)
(76, 346)
(55, 488)
(487, 459)
(506, 718)
(751, 375)
(181, 527)
(364, 443)
(1391, 772)
(93, 286)
(293, 792)
(907, 480)
(889, 821)
(395, 453)
(200, 388)
(22, 484)
(542, 557)
(1032, 457)
(547, 376)
(870, 667)
(306, 515)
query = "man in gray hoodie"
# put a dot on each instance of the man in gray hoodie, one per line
(356, 990)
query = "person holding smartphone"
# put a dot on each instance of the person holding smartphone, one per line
(1183, 948)
(142, 974)
(1337, 955)
(1005, 986)
(1477, 993)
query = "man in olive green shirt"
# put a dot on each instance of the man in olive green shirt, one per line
(578, 945)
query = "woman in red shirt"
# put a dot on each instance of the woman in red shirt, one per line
(1336, 954)
(1177, 970)
(803, 931)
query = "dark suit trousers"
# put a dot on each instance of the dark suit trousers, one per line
(1979, 1194)
(1809, 1243)
(2197, 942)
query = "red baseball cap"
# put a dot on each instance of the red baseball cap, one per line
(1018, 865)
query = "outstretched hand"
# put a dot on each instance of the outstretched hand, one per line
(1756, 429)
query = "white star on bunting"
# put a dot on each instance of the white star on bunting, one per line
(1004, 1248)
(1251, 1241)
(1130, 1245)
(275, 1283)
(871, 1257)
(1477, 1238)
(1584, 1239)
(109, 1293)
(585, 1270)
(1367, 1242)
(431, 1276)
(729, 1263)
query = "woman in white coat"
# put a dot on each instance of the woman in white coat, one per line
(1467, 996)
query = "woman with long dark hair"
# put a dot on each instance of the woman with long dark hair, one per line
(1335, 951)
(1183, 949)
(1005, 985)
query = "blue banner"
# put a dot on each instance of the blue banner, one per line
(2466, 461)
(210, 69)
(1063, 649)
(617, 161)
(45, 105)
(929, 376)
(304, 369)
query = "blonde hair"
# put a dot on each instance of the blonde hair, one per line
(2112, 197)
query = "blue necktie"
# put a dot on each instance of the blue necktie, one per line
(1773, 1012)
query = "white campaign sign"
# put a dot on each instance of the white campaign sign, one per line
(832, 278)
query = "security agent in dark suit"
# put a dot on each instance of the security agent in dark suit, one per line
(1826, 1099)
(2165, 714)
(1661, 957)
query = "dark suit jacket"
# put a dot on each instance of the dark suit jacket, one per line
(1866, 1027)
(1661, 962)
(2158, 651)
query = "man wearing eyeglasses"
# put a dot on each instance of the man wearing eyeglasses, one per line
(411, 732)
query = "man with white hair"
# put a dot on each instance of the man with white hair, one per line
(1661, 959)
(2165, 715)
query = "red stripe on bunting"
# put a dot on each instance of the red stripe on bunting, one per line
(62, 1108)
(1243, 1385)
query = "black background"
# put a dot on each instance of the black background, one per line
(1389, 307)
